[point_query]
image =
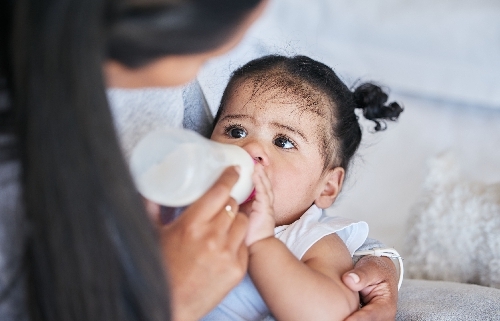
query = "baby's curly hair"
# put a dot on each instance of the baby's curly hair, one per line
(315, 85)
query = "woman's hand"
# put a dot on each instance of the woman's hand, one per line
(204, 250)
(261, 218)
(377, 281)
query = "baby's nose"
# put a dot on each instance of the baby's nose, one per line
(261, 159)
(258, 152)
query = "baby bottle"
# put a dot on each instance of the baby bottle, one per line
(174, 167)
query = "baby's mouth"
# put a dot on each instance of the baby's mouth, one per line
(251, 197)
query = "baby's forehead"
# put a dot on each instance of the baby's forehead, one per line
(279, 88)
(293, 102)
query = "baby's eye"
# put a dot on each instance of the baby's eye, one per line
(284, 142)
(236, 132)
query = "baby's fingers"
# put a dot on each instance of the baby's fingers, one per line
(264, 184)
(261, 218)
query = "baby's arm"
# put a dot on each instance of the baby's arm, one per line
(310, 289)
(303, 290)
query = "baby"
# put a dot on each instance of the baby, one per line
(297, 119)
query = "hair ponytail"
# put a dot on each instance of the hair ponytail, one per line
(371, 99)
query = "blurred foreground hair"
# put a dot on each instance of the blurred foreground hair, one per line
(91, 252)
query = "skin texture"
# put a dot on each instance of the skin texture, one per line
(284, 138)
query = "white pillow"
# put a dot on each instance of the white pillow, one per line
(454, 229)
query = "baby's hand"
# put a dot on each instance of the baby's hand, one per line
(261, 218)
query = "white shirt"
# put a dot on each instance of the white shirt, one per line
(245, 303)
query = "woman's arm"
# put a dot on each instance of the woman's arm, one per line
(310, 289)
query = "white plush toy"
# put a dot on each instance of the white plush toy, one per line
(454, 230)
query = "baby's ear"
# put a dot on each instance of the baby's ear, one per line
(331, 186)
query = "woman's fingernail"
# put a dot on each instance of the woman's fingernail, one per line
(237, 168)
(354, 277)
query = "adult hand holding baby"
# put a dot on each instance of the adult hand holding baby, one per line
(206, 245)
(376, 280)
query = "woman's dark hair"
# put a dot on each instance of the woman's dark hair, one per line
(304, 77)
(137, 30)
(91, 252)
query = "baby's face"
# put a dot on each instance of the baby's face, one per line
(279, 131)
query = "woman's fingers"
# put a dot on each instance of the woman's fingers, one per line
(237, 232)
(223, 220)
(203, 257)
(369, 271)
(243, 256)
(204, 248)
(376, 280)
(216, 198)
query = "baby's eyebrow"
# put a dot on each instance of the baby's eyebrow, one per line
(235, 116)
(291, 129)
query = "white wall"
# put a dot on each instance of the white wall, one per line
(388, 173)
